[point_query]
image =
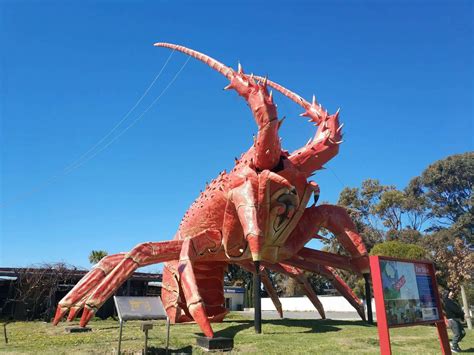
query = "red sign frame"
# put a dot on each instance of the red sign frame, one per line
(382, 323)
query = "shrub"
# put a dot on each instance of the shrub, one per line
(397, 249)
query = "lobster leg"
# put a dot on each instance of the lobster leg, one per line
(297, 274)
(337, 282)
(72, 301)
(74, 310)
(267, 283)
(143, 254)
(172, 295)
(194, 301)
(336, 220)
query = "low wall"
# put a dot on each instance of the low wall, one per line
(330, 304)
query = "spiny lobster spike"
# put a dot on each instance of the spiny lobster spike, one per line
(271, 95)
(214, 64)
(314, 100)
(251, 78)
(280, 122)
(339, 128)
(265, 81)
(239, 68)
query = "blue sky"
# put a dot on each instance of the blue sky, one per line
(402, 73)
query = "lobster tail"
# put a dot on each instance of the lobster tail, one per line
(214, 64)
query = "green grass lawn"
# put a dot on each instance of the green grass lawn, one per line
(282, 336)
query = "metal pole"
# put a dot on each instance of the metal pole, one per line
(167, 334)
(465, 303)
(120, 338)
(257, 303)
(146, 341)
(368, 299)
(5, 332)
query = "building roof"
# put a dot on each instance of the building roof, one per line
(14, 272)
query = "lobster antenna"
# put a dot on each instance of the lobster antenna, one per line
(228, 72)
(214, 64)
(289, 94)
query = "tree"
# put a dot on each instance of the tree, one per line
(287, 286)
(96, 255)
(448, 185)
(36, 287)
(458, 264)
(360, 203)
(382, 212)
(236, 276)
(390, 208)
(416, 205)
(434, 212)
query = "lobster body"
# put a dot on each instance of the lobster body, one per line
(255, 216)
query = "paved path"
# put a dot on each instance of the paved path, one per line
(304, 315)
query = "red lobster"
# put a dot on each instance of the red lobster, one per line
(255, 216)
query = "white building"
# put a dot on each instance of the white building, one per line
(234, 298)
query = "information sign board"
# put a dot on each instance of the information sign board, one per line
(133, 308)
(406, 294)
(409, 293)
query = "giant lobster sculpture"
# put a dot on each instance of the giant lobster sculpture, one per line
(255, 216)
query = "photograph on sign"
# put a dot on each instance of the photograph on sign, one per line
(408, 292)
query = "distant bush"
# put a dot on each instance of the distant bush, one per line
(401, 250)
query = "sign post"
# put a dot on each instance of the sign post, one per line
(140, 308)
(406, 294)
(368, 299)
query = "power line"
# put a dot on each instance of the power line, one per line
(83, 158)
(337, 177)
(133, 122)
(123, 118)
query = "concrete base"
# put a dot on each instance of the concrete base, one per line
(215, 344)
(77, 329)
